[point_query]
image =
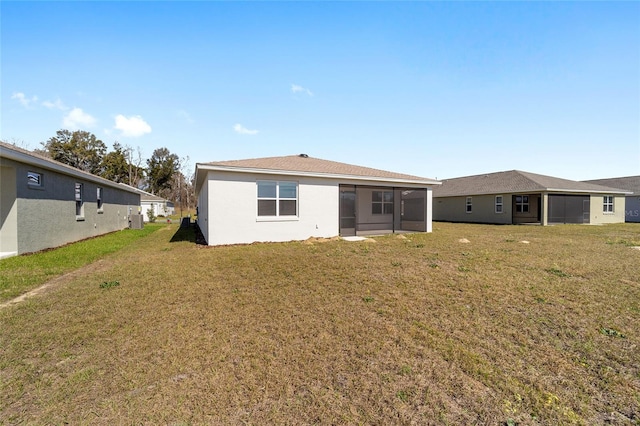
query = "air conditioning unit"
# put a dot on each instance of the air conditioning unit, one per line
(136, 221)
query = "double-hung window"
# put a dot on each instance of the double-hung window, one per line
(522, 204)
(382, 202)
(469, 205)
(277, 198)
(607, 205)
(79, 202)
(499, 204)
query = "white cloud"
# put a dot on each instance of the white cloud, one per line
(24, 101)
(133, 126)
(77, 118)
(57, 104)
(299, 89)
(244, 131)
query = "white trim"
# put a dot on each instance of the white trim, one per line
(495, 204)
(277, 219)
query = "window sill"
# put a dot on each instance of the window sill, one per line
(277, 219)
(79, 219)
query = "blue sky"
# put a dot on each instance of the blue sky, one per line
(434, 89)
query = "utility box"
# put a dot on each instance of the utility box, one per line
(136, 221)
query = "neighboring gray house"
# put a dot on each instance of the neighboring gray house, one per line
(630, 184)
(45, 204)
(514, 197)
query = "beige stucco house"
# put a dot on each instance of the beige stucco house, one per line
(514, 197)
(632, 200)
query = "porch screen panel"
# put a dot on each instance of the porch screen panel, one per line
(413, 205)
(568, 209)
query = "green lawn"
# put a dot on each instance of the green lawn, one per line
(23, 273)
(521, 325)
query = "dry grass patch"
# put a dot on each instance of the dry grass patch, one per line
(415, 330)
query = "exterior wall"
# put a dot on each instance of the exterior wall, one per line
(202, 210)
(453, 209)
(632, 208)
(227, 204)
(597, 216)
(8, 212)
(46, 215)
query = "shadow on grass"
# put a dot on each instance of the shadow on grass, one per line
(190, 234)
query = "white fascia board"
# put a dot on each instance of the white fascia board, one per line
(355, 178)
(25, 158)
(586, 191)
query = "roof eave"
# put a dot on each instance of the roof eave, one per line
(378, 179)
(26, 158)
(588, 191)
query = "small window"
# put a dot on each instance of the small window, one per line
(469, 205)
(99, 200)
(34, 179)
(498, 203)
(607, 206)
(79, 202)
(522, 204)
(277, 198)
(382, 202)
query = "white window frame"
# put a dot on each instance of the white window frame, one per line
(499, 204)
(79, 202)
(608, 204)
(99, 199)
(34, 179)
(468, 205)
(278, 198)
(382, 203)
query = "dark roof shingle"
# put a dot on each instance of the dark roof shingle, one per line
(306, 164)
(628, 183)
(513, 181)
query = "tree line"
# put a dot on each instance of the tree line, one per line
(163, 174)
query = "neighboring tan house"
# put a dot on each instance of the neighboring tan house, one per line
(630, 184)
(297, 197)
(45, 204)
(514, 197)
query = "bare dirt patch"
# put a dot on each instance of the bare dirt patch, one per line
(51, 285)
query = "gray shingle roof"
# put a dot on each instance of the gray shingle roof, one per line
(37, 158)
(513, 181)
(306, 164)
(628, 183)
